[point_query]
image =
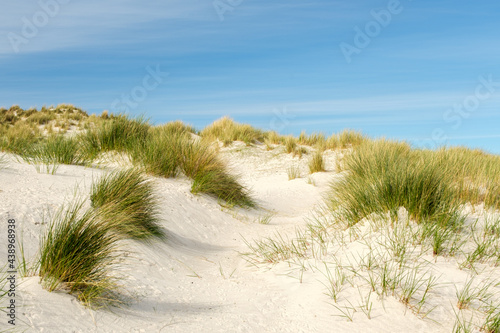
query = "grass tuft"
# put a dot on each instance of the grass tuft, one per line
(227, 131)
(385, 176)
(125, 200)
(221, 184)
(317, 164)
(77, 254)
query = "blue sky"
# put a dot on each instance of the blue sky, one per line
(423, 71)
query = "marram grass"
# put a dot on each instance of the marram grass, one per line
(384, 176)
(316, 163)
(227, 131)
(159, 153)
(77, 254)
(221, 184)
(125, 200)
(55, 150)
(116, 133)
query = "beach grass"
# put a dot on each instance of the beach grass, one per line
(316, 163)
(224, 186)
(126, 201)
(227, 131)
(117, 133)
(55, 150)
(384, 176)
(77, 254)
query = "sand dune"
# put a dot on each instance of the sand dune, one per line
(199, 281)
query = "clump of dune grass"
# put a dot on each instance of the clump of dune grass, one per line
(293, 172)
(19, 137)
(227, 131)
(384, 176)
(273, 137)
(221, 184)
(159, 153)
(299, 151)
(313, 139)
(117, 133)
(317, 164)
(200, 162)
(55, 150)
(41, 118)
(197, 157)
(345, 139)
(125, 200)
(11, 115)
(77, 254)
(475, 173)
(290, 144)
(169, 150)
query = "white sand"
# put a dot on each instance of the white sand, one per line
(197, 281)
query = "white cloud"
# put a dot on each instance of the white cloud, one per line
(89, 23)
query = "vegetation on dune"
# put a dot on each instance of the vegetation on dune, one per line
(159, 153)
(475, 173)
(117, 133)
(125, 200)
(227, 130)
(411, 201)
(19, 137)
(219, 183)
(384, 176)
(317, 164)
(55, 150)
(171, 149)
(77, 254)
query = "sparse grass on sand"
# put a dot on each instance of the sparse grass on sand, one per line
(125, 200)
(293, 172)
(77, 254)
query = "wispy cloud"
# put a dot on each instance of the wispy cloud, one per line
(92, 23)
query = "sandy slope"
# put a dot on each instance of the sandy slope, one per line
(198, 281)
